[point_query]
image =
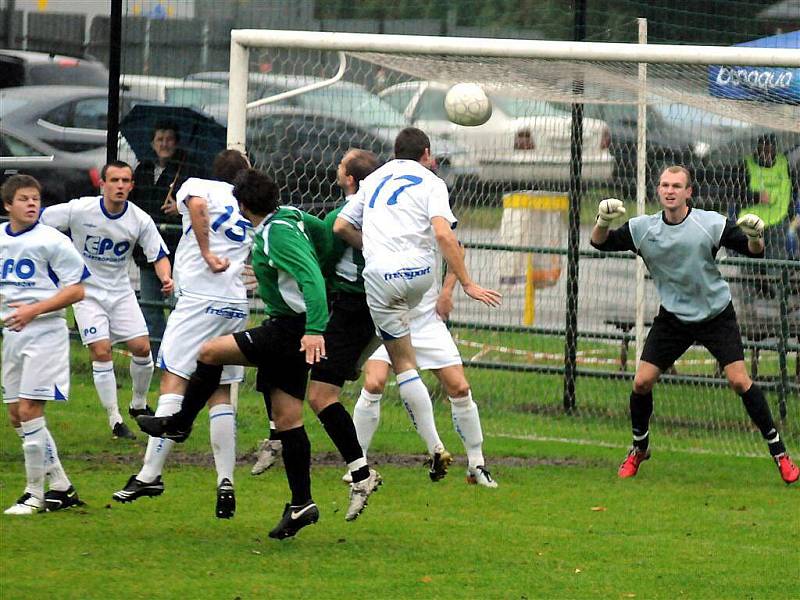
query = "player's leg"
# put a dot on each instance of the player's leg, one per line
(34, 442)
(269, 450)
(141, 369)
(105, 382)
(466, 422)
(222, 432)
(367, 411)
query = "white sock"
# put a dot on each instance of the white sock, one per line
(33, 447)
(222, 426)
(467, 424)
(366, 417)
(158, 449)
(417, 401)
(106, 384)
(141, 374)
(55, 471)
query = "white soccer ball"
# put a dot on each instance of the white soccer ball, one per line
(467, 104)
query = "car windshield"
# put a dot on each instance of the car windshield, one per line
(68, 72)
(521, 107)
(359, 105)
(9, 105)
(182, 96)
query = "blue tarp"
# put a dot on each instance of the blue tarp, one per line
(767, 84)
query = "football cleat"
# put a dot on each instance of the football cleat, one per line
(360, 492)
(136, 489)
(121, 431)
(137, 412)
(788, 470)
(226, 500)
(267, 455)
(294, 519)
(630, 466)
(438, 464)
(163, 427)
(480, 476)
(27, 504)
(60, 500)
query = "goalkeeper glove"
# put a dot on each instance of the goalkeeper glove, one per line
(608, 210)
(752, 226)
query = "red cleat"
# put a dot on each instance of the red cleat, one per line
(788, 470)
(630, 466)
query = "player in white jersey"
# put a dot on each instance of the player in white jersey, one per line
(40, 274)
(212, 302)
(436, 351)
(403, 211)
(105, 229)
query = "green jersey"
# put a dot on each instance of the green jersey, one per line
(345, 264)
(287, 269)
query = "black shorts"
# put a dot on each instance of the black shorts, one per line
(670, 337)
(350, 330)
(274, 347)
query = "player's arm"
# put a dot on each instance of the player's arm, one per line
(348, 232)
(198, 215)
(453, 254)
(746, 236)
(164, 273)
(444, 303)
(348, 223)
(25, 313)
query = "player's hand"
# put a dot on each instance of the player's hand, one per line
(444, 305)
(487, 296)
(167, 286)
(215, 263)
(24, 314)
(752, 225)
(249, 278)
(314, 347)
(608, 210)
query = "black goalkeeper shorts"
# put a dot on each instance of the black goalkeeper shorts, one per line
(670, 337)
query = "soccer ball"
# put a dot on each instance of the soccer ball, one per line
(467, 104)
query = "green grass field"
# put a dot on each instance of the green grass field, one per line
(561, 524)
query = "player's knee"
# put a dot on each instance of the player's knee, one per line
(207, 354)
(643, 384)
(458, 389)
(140, 347)
(101, 353)
(374, 383)
(740, 383)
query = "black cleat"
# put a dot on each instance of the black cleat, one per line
(226, 500)
(294, 519)
(136, 489)
(163, 427)
(438, 464)
(138, 412)
(121, 431)
(59, 500)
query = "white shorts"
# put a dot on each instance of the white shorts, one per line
(115, 318)
(433, 345)
(194, 321)
(394, 286)
(36, 361)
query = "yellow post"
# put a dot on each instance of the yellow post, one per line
(529, 314)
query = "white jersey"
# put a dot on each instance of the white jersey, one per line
(230, 236)
(106, 240)
(394, 207)
(34, 263)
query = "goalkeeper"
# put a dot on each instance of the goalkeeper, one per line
(679, 245)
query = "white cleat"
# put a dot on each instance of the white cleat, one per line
(268, 453)
(26, 505)
(360, 493)
(347, 477)
(480, 476)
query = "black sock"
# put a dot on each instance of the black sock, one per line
(273, 433)
(756, 406)
(339, 425)
(641, 408)
(297, 462)
(203, 382)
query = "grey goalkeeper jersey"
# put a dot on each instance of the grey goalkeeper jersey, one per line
(681, 259)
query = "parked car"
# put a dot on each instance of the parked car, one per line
(525, 142)
(353, 103)
(171, 90)
(68, 118)
(21, 67)
(63, 175)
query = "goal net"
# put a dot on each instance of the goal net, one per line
(556, 361)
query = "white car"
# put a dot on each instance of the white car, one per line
(171, 90)
(523, 141)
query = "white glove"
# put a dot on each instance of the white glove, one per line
(752, 226)
(608, 210)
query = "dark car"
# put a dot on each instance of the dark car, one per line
(22, 67)
(63, 175)
(302, 150)
(68, 118)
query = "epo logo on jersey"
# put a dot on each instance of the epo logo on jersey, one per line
(24, 268)
(97, 246)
